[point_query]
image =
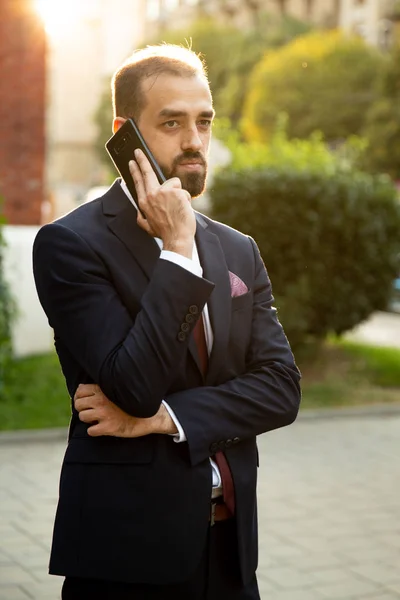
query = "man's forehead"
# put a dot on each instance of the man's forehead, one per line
(167, 90)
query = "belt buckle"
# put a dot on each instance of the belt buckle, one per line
(212, 516)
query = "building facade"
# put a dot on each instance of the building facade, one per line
(375, 20)
(242, 13)
(22, 112)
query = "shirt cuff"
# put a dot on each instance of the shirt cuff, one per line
(180, 436)
(182, 261)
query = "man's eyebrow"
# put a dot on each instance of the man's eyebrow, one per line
(208, 114)
(169, 113)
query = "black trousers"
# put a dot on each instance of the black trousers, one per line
(216, 577)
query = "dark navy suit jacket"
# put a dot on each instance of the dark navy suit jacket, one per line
(138, 509)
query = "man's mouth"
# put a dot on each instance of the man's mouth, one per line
(192, 164)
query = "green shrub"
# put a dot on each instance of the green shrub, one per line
(6, 313)
(324, 81)
(330, 241)
(309, 154)
(382, 128)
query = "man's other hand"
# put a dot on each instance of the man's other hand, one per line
(108, 419)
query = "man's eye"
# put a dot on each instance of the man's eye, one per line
(171, 124)
(206, 123)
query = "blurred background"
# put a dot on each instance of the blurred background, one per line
(305, 158)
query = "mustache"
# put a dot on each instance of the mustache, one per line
(189, 156)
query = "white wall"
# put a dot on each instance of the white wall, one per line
(31, 332)
(81, 58)
(364, 19)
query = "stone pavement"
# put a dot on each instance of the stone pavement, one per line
(329, 503)
(381, 329)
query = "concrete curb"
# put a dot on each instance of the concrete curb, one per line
(55, 434)
(25, 436)
(346, 412)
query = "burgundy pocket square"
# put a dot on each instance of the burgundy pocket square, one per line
(238, 287)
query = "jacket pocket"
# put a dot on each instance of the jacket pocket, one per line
(243, 301)
(110, 450)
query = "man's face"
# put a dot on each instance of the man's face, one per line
(176, 124)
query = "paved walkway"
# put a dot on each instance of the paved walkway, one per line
(329, 502)
(381, 329)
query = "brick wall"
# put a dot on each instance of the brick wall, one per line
(22, 112)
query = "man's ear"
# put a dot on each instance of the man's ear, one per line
(117, 122)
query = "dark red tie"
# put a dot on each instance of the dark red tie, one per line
(226, 475)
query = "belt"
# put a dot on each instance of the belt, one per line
(219, 512)
(216, 492)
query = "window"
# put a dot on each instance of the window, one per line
(309, 8)
(153, 9)
(282, 6)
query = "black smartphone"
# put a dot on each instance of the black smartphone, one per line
(121, 147)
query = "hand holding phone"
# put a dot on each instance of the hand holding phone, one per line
(121, 147)
(165, 209)
(168, 209)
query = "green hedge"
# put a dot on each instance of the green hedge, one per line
(6, 314)
(331, 242)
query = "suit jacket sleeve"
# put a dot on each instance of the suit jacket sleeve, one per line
(265, 397)
(119, 351)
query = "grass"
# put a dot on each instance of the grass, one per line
(339, 373)
(343, 373)
(35, 395)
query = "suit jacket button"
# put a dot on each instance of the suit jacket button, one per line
(236, 440)
(214, 448)
(181, 336)
(189, 318)
(194, 310)
(228, 443)
(185, 327)
(221, 445)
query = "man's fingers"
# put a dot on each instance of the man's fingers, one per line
(86, 402)
(173, 183)
(86, 389)
(151, 182)
(138, 181)
(144, 224)
(96, 430)
(88, 416)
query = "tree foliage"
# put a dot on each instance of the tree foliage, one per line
(103, 119)
(231, 54)
(383, 122)
(324, 81)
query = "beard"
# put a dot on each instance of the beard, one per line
(194, 183)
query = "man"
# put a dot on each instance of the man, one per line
(173, 353)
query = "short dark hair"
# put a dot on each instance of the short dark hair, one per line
(126, 84)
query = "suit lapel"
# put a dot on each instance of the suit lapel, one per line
(121, 219)
(215, 269)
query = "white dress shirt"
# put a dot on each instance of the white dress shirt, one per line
(193, 265)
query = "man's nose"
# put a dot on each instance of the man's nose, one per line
(191, 140)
